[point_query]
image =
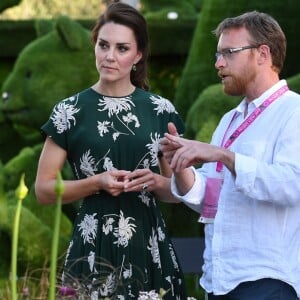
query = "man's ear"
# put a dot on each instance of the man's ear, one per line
(264, 54)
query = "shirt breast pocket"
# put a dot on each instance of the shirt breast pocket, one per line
(255, 149)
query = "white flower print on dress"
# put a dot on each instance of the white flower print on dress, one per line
(124, 231)
(102, 127)
(162, 104)
(108, 227)
(91, 260)
(115, 106)
(151, 295)
(153, 247)
(68, 251)
(88, 228)
(145, 198)
(127, 273)
(153, 148)
(88, 166)
(116, 135)
(108, 164)
(129, 118)
(168, 278)
(66, 260)
(146, 163)
(173, 256)
(94, 295)
(62, 116)
(161, 234)
(109, 286)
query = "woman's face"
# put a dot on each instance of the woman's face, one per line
(116, 52)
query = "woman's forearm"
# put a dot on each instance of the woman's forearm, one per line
(74, 190)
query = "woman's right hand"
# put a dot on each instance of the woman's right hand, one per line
(113, 182)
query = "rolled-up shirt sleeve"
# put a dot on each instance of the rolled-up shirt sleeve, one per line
(193, 198)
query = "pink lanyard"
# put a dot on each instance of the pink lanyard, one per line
(250, 119)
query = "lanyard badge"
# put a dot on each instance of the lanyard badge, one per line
(214, 185)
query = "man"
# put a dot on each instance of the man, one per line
(248, 188)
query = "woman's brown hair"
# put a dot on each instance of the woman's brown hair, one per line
(124, 14)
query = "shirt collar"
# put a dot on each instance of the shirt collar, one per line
(258, 101)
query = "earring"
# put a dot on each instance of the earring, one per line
(134, 68)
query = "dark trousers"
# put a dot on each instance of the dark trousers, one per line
(263, 289)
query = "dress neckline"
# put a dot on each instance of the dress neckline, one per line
(118, 97)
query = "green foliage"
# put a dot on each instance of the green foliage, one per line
(49, 69)
(187, 7)
(43, 26)
(10, 141)
(35, 233)
(181, 221)
(164, 74)
(8, 3)
(26, 160)
(207, 111)
(207, 128)
(21, 193)
(5, 254)
(11, 31)
(5, 68)
(36, 222)
(199, 71)
(31, 9)
(56, 67)
(170, 38)
(71, 33)
(34, 238)
(294, 83)
(193, 287)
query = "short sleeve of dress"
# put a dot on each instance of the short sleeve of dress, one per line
(60, 122)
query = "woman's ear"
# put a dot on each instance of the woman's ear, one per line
(138, 57)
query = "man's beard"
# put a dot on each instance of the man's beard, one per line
(235, 86)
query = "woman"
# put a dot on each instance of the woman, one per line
(110, 134)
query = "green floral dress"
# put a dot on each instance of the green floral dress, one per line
(119, 245)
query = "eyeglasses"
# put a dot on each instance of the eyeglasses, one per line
(227, 53)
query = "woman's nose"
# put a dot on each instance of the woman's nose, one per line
(110, 55)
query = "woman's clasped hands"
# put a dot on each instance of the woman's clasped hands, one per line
(118, 181)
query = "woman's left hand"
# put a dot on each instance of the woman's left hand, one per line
(141, 180)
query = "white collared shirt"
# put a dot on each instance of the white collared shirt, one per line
(256, 232)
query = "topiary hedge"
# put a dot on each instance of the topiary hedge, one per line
(199, 71)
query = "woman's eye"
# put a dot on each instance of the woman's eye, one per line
(123, 48)
(102, 45)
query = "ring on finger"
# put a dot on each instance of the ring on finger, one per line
(145, 186)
